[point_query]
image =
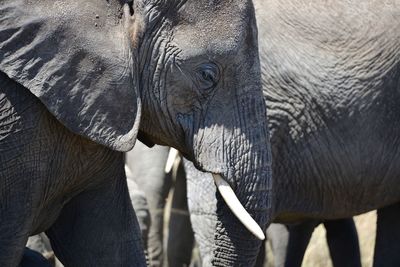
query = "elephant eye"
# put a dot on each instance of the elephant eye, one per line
(207, 76)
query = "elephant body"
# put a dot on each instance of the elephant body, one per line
(149, 187)
(57, 193)
(332, 90)
(41, 244)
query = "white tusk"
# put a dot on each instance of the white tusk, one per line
(173, 153)
(236, 207)
(128, 171)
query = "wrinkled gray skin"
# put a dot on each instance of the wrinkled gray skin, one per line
(289, 242)
(40, 243)
(331, 75)
(147, 168)
(141, 207)
(148, 171)
(147, 165)
(75, 81)
(180, 246)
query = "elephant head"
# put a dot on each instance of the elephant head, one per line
(184, 73)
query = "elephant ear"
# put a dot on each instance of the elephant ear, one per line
(76, 58)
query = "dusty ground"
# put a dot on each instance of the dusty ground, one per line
(317, 254)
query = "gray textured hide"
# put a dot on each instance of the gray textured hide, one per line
(74, 56)
(202, 205)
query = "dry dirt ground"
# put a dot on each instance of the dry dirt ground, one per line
(317, 254)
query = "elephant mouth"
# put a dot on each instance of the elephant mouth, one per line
(236, 207)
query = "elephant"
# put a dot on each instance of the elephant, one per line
(331, 81)
(153, 174)
(81, 81)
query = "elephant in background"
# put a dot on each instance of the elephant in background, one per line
(81, 81)
(332, 88)
(289, 242)
(148, 167)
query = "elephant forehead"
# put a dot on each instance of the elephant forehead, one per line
(217, 26)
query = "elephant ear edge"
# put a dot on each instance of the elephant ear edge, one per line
(76, 58)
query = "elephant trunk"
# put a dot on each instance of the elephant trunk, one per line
(234, 244)
(246, 149)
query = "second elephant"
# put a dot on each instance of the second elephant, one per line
(332, 87)
(148, 171)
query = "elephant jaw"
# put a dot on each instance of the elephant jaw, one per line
(236, 207)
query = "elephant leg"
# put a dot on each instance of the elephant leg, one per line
(98, 227)
(181, 236)
(343, 243)
(156, 202)
(278, 236)
(299, 237)
(147, 166)
(20, 168)
(289, 242)
(139, 203)
(387, 245)
(12, 239)
(16, 216)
